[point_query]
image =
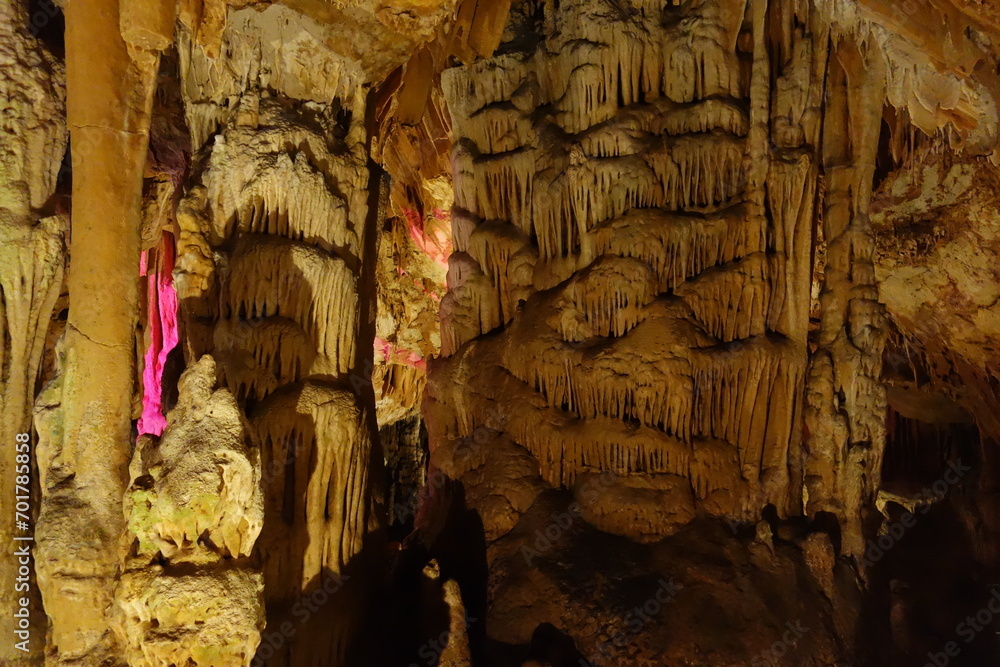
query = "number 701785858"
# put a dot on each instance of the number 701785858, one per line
(23, 479)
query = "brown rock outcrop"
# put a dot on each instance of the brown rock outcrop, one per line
(32, 267)
(84, 417)
(195, 507)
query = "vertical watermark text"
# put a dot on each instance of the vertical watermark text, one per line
(22, 541)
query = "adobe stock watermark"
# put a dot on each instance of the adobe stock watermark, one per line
(560, 523)
(23, 536)
(893, 532)
(635, 620)
(431, 650)
(303, 609)
(45, 11)
(968, 630)
(771, 656)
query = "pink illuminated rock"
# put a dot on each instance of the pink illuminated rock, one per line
(163, 336)
(432, 239)
(391, 353)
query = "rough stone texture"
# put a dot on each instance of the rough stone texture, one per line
(701, 597)
(697, 264)
(32, 265)
(443, 598)
(674, 264)
(936, 265)
(935, 259)
(201, 484)
(83, 416)
(195, 507)
(413, 145)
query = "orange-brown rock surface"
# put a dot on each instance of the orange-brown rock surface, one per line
(499, 332)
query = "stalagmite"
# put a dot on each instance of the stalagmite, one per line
(539, 332)
(195, 506)
(84, 416)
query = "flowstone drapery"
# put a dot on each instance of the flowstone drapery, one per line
(275, 238)
(638, 191)
(615, 219)
(32, 265)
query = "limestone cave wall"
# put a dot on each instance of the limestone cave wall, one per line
(497, 332)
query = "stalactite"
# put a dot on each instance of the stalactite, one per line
(255, 187)
(276, 233)
(492, 245)
(679, 246)
(300, 425)
(846, 402)
(659, 303)
(611, 293)
(723, 114)
(318, 494)
(732, 301)
(467, 312)
(695, 175)
(500, 128)
(262, 354)
(271, 276)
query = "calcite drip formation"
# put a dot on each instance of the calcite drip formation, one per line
(623, 294)
(661, 297)
(633, 231)
(270, 272)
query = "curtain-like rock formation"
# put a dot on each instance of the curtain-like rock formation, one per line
(611, 219)
(634, 229)
(32, 264)
(275, 274)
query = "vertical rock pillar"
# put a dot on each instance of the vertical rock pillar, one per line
(84, 417)
(845, 403)
(32, 263)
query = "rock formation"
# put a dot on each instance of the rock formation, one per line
(275, 242)
(195, 506)
(500, 332)
(32, 257)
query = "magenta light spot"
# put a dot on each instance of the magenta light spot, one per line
(432, 240)
(163, 335)
(392, 354)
